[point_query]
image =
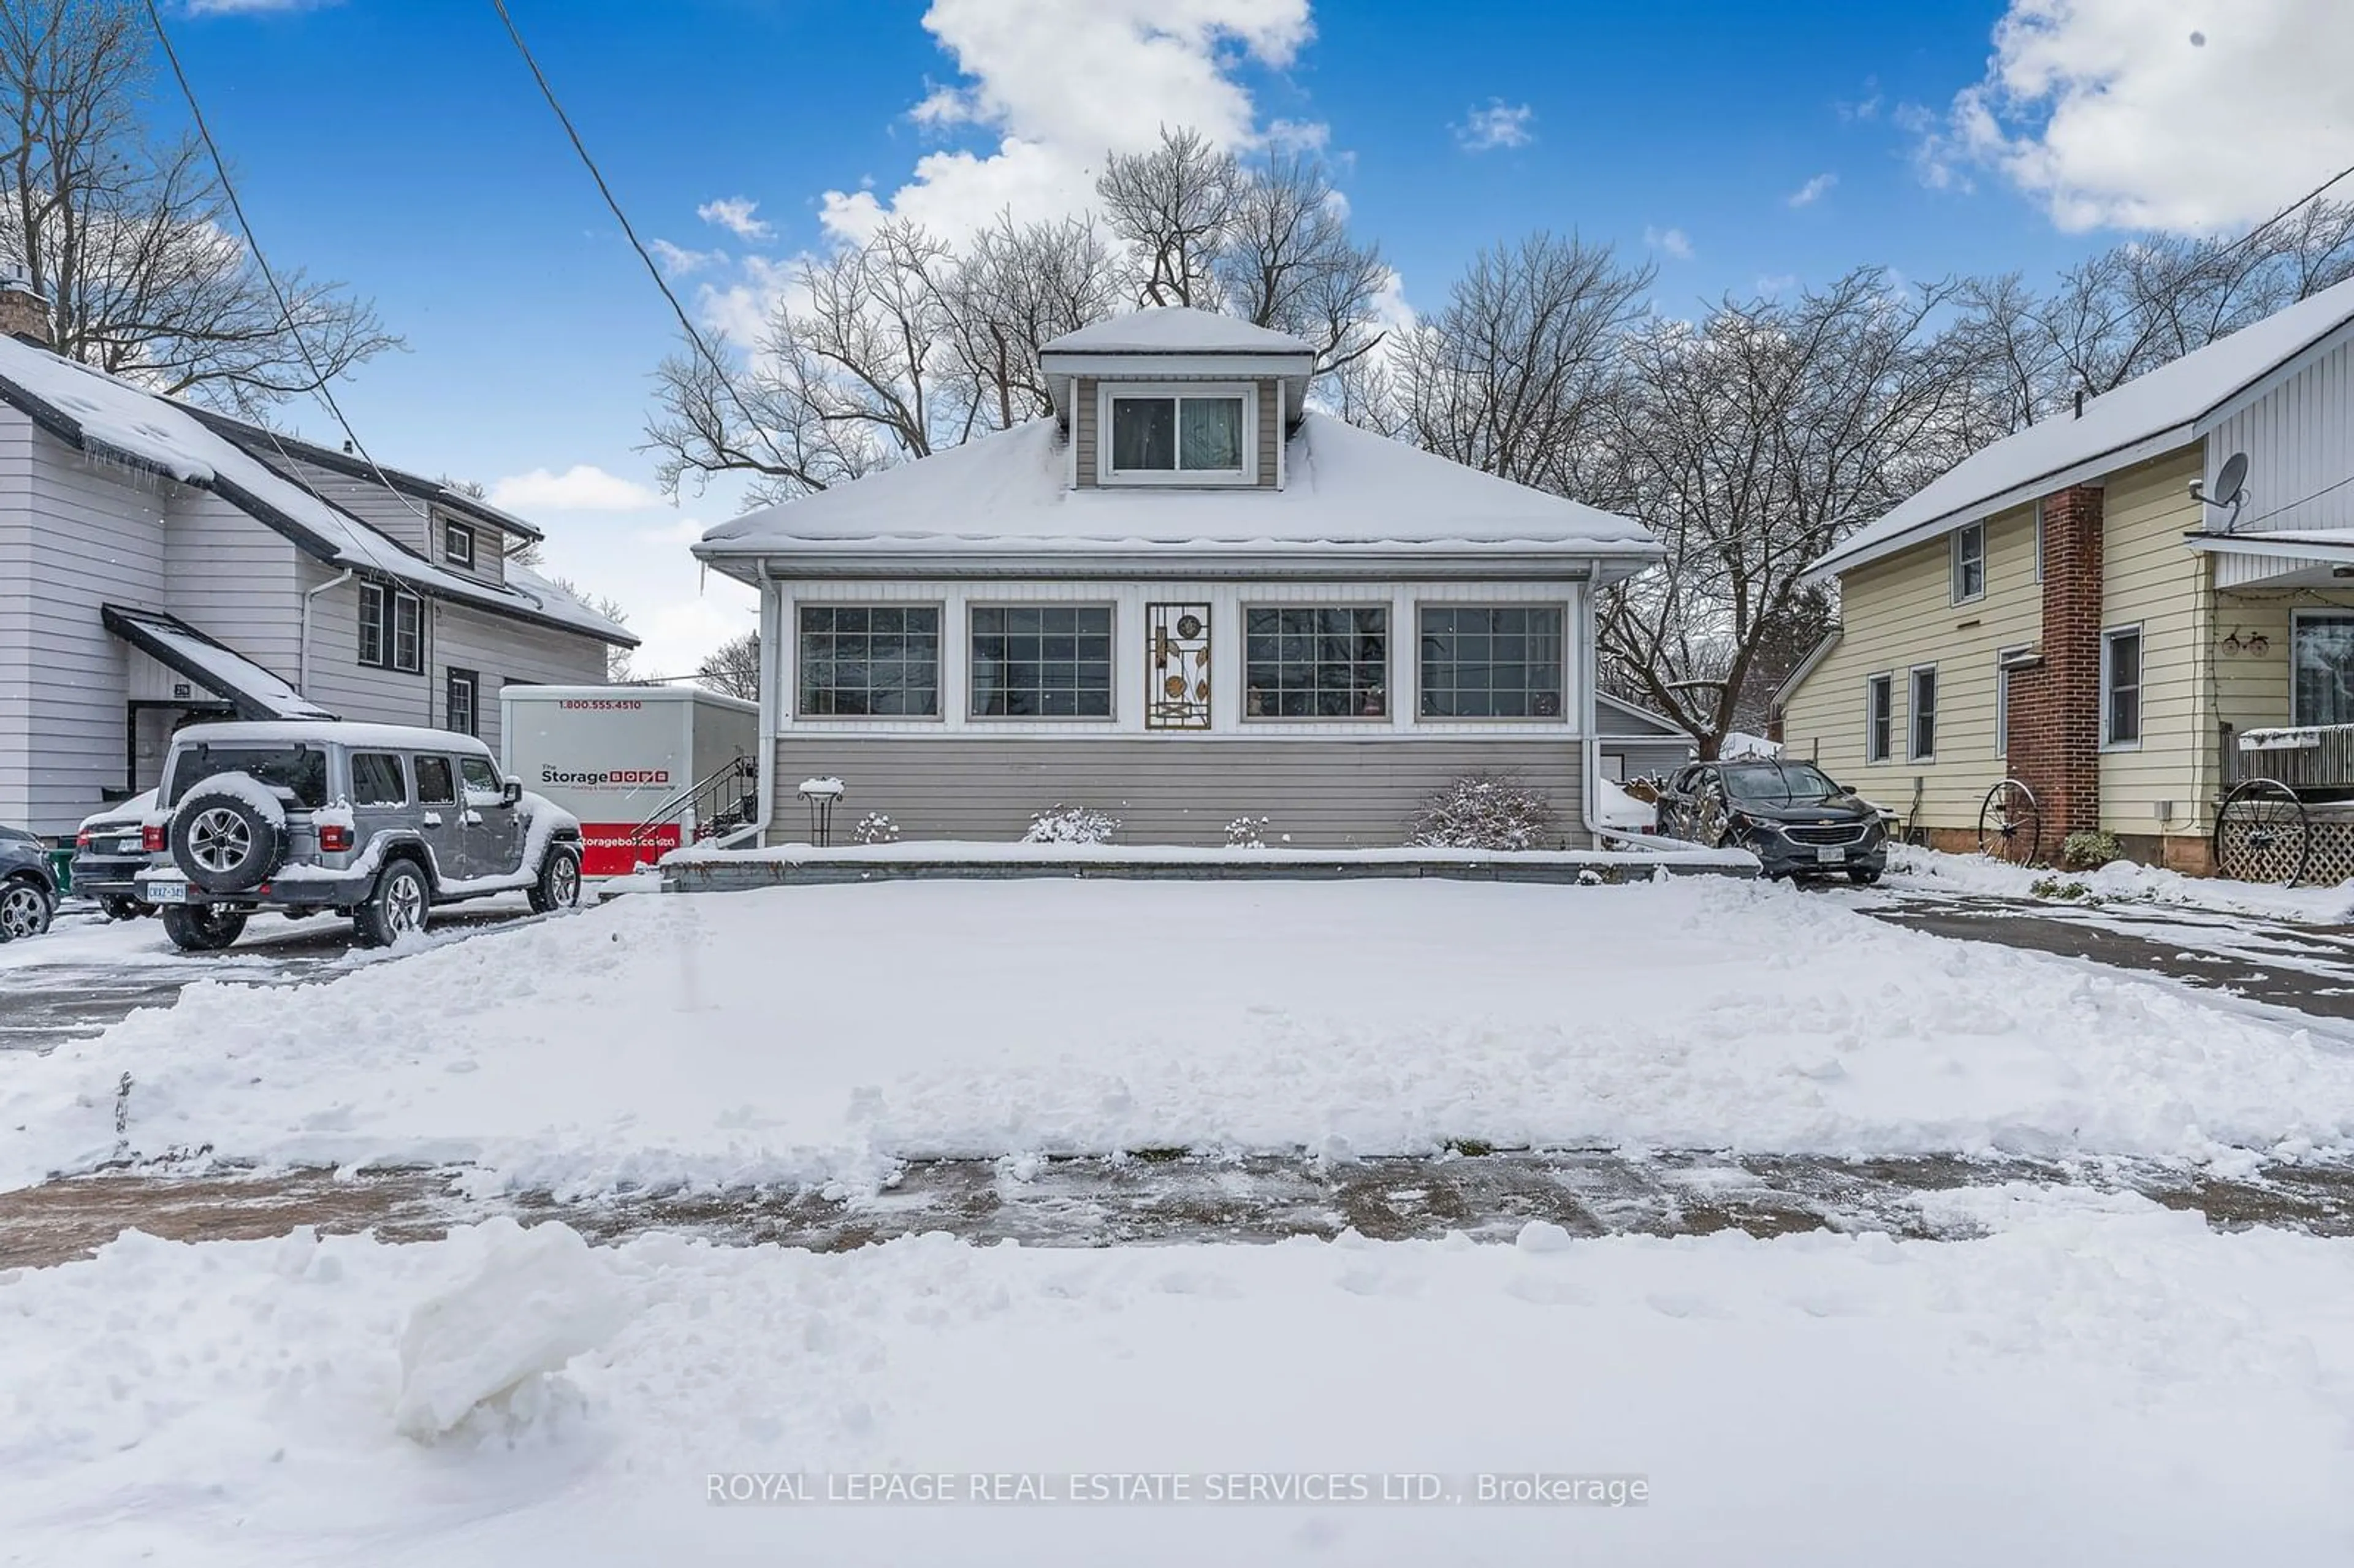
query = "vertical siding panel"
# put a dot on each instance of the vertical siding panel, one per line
(1083, 429)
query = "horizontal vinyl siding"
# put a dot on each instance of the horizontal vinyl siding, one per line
(339, 681)
(1897, 613)
(1171, 790)
(1083, 429)
(502, 651)
(388, 511)
(2150, 577)
(1270, 434)
(78, 534)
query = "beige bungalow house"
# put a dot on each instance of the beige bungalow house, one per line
(1185, 599)
(2084, 608)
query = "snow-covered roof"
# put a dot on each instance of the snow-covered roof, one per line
(267, 732)
(558, 602)
(256, 693)
(110, 418)
(1346, 490)
(265, 443)
(1175, 329)
(2154, 412)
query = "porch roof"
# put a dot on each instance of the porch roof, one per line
(2283, 557)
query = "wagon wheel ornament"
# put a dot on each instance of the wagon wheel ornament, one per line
(2009, 827)
(2262, 833)
(1712, 817)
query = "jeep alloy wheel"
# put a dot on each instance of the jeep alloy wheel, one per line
(219, 839)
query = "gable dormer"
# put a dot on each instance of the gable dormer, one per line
(1177, 398)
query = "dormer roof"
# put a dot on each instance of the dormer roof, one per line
(1177, 342)
(1177, 329)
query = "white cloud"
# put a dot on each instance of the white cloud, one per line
(677, 260)
(735, 213)
(583, 487)
(1673, 242)
(1864, 108)
(2172, 114)
(1060, 82)
(685, 531)
(1813, 191)
(1500, 124)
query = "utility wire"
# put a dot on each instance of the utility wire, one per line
(547, 91)
(285, 308)
(2248, 238)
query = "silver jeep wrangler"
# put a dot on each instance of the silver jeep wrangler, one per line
(373, 822)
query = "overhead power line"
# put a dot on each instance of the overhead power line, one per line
(285, 308)
(612, 203)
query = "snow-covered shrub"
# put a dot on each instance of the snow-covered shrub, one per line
(1247, 833)
(2090, 851)
(2067, 892)
(1062, 824)
(875, 828)
(1481, 811)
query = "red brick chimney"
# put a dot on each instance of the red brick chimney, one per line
(2053, 729)
(23, 314)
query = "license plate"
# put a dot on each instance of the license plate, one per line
(160, 893)
(1830, 856)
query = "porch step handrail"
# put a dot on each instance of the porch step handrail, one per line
(741, 771)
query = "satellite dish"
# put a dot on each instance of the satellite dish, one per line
(2231, 481)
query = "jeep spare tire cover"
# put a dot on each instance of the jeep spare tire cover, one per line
(228, 833)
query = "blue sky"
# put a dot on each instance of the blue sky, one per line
(399, 145)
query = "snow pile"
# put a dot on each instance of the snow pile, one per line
(536, 1299)
(1737, 743)
(1614, 807)
(2118, 880)
(2095, 1381)
(822, 1033)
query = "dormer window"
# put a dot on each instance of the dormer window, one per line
(1196, 433)
(458, 545)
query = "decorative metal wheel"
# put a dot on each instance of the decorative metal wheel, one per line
(219, 839)
(2263, 833)
(2010, 826)
(1712, 817)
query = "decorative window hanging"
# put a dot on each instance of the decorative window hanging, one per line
(1177, 666)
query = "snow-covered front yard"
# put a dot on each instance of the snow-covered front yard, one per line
(2092, 1378)
(820, 1035)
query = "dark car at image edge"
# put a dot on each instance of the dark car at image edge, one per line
(28, 888)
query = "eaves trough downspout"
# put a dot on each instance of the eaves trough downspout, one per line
(772, 663)
(308, 594)
(1589, 739)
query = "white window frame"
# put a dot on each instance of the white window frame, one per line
(1568, 669)
(1884, 685)
(2296, 620)
(451, 531)
(1389, 658)
(452, 677)
(973, 687)
(2109, 634)
(1190, 478)
(1913, 752)
(375, 615)
(940, 693)
(401, 598)
(1967, 531)
(2002, 658)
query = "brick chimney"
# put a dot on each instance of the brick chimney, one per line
(23, 314)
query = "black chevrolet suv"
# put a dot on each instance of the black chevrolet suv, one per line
(1790, 815)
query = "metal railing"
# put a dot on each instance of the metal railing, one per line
(723, 802)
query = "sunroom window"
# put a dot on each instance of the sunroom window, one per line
(1177, 435)
(1327, 661)
(881, 660)
(1491, 662)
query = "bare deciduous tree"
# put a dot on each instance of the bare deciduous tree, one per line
(734, 667)
(1171, 205)
(619, 661)
(124, 234)
(1751, 442)
(1286, 261)
(1515, 374)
